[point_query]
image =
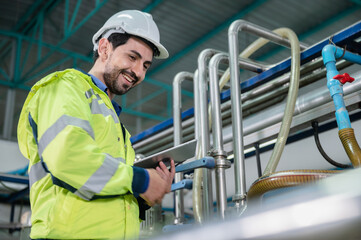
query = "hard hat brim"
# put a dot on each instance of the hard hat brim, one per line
(163, 53)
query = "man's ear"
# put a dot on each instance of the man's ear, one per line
(104, 48)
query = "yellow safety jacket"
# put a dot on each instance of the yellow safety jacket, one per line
(80, 171)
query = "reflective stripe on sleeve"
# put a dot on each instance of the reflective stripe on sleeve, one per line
(100, 178)
(36, 173)
(89, 93)
(100, 108)
(58, 126)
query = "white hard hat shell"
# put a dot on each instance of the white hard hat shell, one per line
(135, 23)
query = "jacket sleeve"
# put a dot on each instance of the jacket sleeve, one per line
(68, 150)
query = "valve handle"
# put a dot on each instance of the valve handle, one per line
(344, 78)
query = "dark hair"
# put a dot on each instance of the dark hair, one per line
(117, 39)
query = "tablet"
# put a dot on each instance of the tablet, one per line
(178, 153)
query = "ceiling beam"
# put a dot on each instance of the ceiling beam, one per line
(30, 12)
(311, 31)
(66, 37)
(152, 5)
(207, 36)
(30, 25)
(20, 39)
(329, 21)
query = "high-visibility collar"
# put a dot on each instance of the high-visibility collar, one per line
(103, 87)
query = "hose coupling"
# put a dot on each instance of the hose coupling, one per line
(239, 197)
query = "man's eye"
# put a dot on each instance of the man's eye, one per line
(132, 57)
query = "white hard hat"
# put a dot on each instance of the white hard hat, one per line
(135, 23)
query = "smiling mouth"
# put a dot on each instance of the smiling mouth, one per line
(128, 78)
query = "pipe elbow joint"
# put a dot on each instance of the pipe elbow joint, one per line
(328, 54)
(236, 26)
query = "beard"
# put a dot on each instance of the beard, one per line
(111, 76)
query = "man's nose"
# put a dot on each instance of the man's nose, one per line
(138, 70)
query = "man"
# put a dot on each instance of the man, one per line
(82, 182)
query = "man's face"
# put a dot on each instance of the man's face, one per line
(126, 66)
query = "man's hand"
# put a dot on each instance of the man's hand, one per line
(160, 182)
(166, 174)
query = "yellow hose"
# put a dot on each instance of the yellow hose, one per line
(351, 146)
(285, 179)
(291, 102)
(300, 177)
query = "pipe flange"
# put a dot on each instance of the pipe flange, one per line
(222, 162)
(218, 153)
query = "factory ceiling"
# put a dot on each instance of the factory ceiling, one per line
(38, 37)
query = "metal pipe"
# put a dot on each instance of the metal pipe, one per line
(277, 82)
(250, 65)
(198, 173)
(164, 138)
(177, 137)
(252, 48)
(177, 105)
(270, 116)
(196, 117)
(218, 152)
(233, 30)
(271, 94)
(160, 139)
(144, 145)
(204, 128)
(241, 25)
(307, 101)
(239, 167)
(258, 159)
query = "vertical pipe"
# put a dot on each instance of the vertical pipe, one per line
(177, 127)
(204, 128)
(238, 150)
(218, 152)
(10, 97)
(258, 159)
(239, 166)
(346, 133)
(9, 113)
(198, 174)
(329, 54)
(196, 105)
